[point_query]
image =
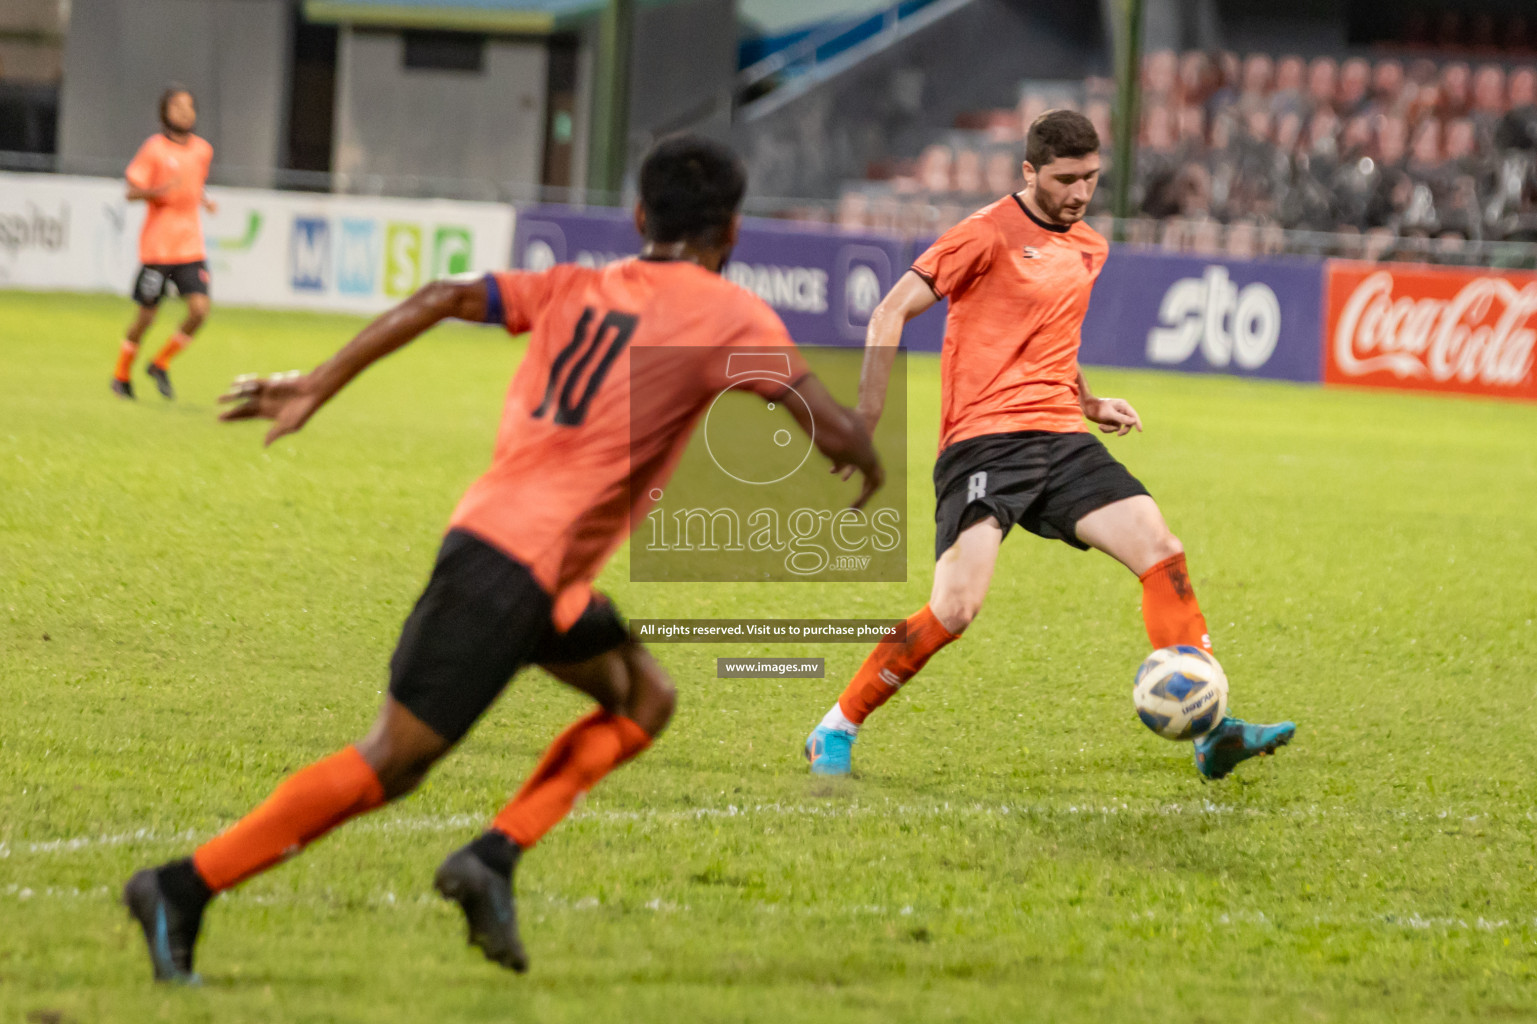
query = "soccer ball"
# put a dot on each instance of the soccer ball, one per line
(1180, 692)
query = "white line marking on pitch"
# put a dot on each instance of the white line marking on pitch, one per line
(387, 899)
(456, 822)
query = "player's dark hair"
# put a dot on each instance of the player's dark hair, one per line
(172, 91)
(1060, 133)
(690, 188)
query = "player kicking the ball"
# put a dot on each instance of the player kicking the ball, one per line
(168, 174)
(513, 582)
(1013, 446)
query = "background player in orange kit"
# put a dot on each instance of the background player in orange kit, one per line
(513, 582)
(1013, 447)
(168, 173)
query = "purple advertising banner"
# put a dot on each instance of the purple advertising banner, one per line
(926, 332)
(1259, 318)
(546, 235)
(823, 283)
(1253, 318)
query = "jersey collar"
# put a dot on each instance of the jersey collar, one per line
(1058, 228)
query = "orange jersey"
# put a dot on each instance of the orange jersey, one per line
(173, 229)
(570, 479)
(1018, 291)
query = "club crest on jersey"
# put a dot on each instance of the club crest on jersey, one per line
(1030, 252)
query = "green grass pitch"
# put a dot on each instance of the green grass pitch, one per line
(185, 616)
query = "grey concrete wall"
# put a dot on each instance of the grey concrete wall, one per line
(1274, 26)
(394, 120)
(682, 70)
(973, 55)
(1173, 24)
(120, 54)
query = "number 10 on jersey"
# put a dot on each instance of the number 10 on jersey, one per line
(614, 331)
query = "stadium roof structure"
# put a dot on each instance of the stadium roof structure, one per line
(532, 17)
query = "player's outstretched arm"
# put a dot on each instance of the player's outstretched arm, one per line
(910, 296)
(290, 399)
(135, 193)
(839, 433)
(1114, 415)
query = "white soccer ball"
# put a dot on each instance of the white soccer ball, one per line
(1180, 692)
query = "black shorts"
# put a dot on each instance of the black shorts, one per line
(188, 278)
(482, 617)
(1042, 481)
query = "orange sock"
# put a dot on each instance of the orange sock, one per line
(125, 353)
(1169, 607)
(887, 667)
(589, 749)
(174, 345)
(304, 807)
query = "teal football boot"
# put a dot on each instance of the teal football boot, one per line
(1234, 741)
(830, 751)
(170, 930)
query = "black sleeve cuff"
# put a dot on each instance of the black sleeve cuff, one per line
(787, 388)
(927, 280)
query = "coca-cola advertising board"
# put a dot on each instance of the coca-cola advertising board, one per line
(1468, 331)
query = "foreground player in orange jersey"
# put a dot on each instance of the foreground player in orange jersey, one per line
(1013, 449)
(168, 174)
(513, 581)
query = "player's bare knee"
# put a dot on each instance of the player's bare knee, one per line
(652, 697)
(617, 689)
(660, 700)
(402, 784)
(1167, 546)
(955, 608)
(142, 322)
(401, 751)
(955, 613)
(400, 772)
